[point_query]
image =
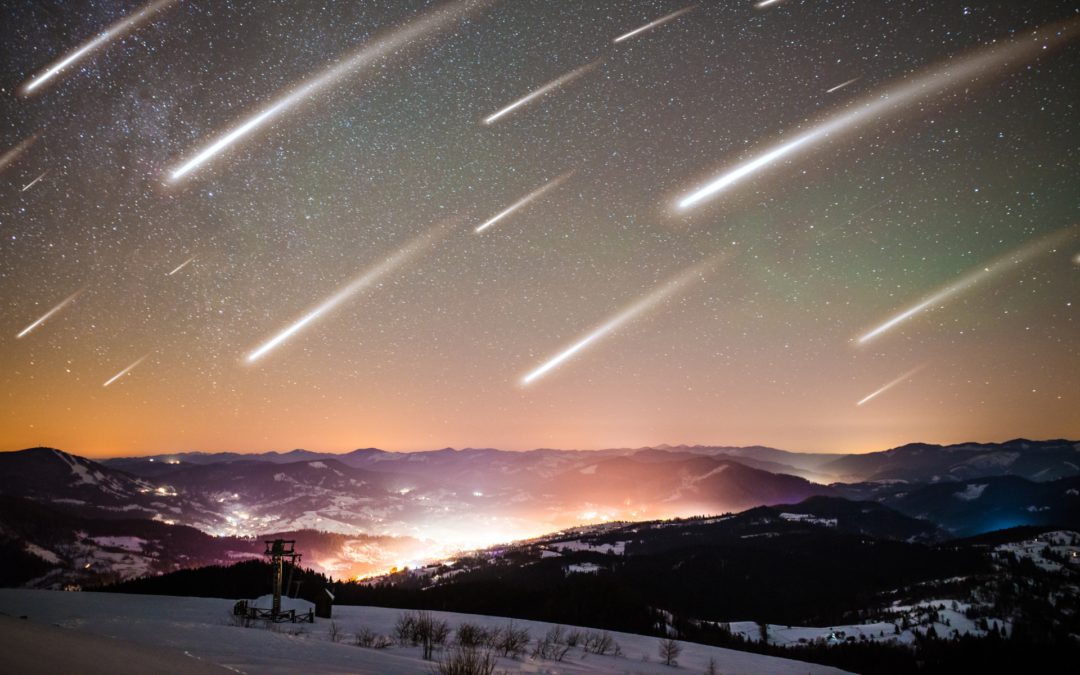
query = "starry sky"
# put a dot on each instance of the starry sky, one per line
(736, 322)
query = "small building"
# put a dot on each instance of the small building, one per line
(324, 604)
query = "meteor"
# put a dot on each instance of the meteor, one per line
(67, 301)
(653, 24)
(31, 184)
(549, 87)
(991, 269)
(918, 87)
(894, 382)
(534, 195)
(114, 31)
(126, 370)
(17, 151)
(843, 84)
(628, 313)
(380, 48)
(413, 249)
(765, 4)
(182, 265)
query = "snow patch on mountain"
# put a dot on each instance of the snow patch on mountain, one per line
(971, 493)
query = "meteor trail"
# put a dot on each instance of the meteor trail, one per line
(413, 249)
(843, 84)
(114, 31)
(919, 86)
(182, 265)
(894, 382)
(68, 300)
(389, 43)
(535, 194)
(16, 152)
(628, 313)
(125, 370)
(994, 268)
(653, 24)
(31, 184)
(765, 4)
(550, 86)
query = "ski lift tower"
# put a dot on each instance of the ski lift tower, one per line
(276, 551)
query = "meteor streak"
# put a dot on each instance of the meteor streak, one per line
(114, 31)
(16, 152)
(67, 301)
(653, 24)
(765, 4)
(381, 47)
(843, 84)
(125, 370)
(182, 265)
(994, 268)
(894, 382)
(413, 249)
(532, 196)
(31, 184)
(629, 312)
(550, 86)
(919, 86)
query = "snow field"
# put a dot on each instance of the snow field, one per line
(200, 627)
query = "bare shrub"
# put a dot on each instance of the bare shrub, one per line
(710, 668)
(574, 637)
(365, 637)
(598, 643)
(512, 641)
(669, 651)
(238, 620)
(335, 634)
(466, 661)
(472, 635)
(404, 629)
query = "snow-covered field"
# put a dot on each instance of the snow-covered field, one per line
(199, 628)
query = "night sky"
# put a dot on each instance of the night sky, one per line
(736, 321)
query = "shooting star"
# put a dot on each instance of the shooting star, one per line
(31, 184)
(991, 269)
(894, 382)
(17, 151)
(653, 24)
(532, 196)
(547, 88)
(66, 301)
(410, 251)
(766, 4)
(125, 371)
(937, 79)
(380, 48)
(121, 27)
(628, 313)
(182, 265)
(843, 84)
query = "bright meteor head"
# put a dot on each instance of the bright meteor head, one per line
(655, 24)
(546, 89)
(64, 303)
(118, 29)
(647, 302)
(410, 251)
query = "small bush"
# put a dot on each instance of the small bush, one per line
(466, 661)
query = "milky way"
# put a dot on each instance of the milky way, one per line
(128, 228)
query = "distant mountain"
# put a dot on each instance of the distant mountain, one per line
(971, 507)
(869, 518)
(41, 547)
(925, 463)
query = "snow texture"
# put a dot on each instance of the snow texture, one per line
(199, 627)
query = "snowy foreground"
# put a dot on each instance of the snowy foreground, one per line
(197, 629)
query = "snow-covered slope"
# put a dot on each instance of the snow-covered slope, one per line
(198, 627)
